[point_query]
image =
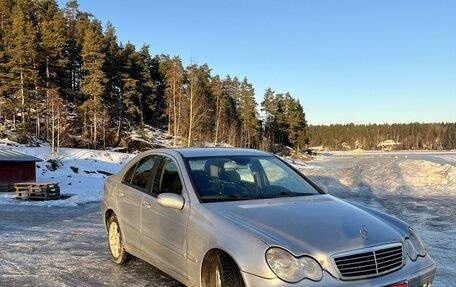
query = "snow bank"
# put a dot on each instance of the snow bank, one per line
(405, 174)
(80, 173)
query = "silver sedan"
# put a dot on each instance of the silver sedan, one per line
(239, 217)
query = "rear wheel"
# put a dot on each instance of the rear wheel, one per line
(116, 247)
(223, 272)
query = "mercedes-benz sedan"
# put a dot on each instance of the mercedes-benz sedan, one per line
(238, 217)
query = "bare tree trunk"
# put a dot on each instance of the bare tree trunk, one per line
(217, 122)
(58, 130)
(175, 125)
(105, 115)
(84, 125)
(119, 124)
(47, 99)
(179, 111)
(46, 119)
(22, 97)
(52, 126)
(190, 120)
(95, 120)
(169, 118)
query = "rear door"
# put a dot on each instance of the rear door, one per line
(164, 229)
(129, 198)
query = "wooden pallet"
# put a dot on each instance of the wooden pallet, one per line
(37, 190)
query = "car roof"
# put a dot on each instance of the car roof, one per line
(214, 151)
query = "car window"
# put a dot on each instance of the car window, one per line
(283, 177)
(129, 174)
(245, 171)
(167, 178)
(139, 174)
(239, 178)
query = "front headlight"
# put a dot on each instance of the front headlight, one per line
(292, 269)
(415, 246)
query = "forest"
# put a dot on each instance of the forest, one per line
(67, 80)
(411, 136)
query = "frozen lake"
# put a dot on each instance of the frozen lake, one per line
(417, 187)
(64, 244)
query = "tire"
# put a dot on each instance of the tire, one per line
(224, 272)
(116, 246)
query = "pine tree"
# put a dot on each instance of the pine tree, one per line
(113, 109)
(248, 115)
(198, 102)
(76, 23)
(131, 99)
(269, 108)
(146, 85)
(93, 84)
(173, 76)
(23, 56)
(295, 122)
(7, 106)
(220, 106)
(51, 43)
(231, 90)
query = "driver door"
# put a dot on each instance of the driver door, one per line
(164, 229)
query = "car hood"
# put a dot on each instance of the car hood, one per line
(314, 225)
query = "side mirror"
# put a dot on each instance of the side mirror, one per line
(171, 200)
(323, 188)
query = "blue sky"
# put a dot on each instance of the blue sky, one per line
(359, 62)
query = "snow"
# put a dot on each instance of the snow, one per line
(80, 174)
(416, 173)
(417, 186)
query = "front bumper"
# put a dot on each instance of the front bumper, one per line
(416, 273)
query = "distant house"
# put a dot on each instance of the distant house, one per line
(388, 145)
(16, 167)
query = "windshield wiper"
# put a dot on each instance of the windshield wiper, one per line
(290, 193)
(285, 194)
(226, 197)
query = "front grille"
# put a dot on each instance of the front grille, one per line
(369, 262)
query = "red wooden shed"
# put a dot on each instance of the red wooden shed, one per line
(16, 167)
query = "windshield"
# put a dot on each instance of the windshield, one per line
(241, 178)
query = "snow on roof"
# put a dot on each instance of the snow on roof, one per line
(15, 156)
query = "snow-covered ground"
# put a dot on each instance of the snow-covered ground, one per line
(81, 174)
(419, 187)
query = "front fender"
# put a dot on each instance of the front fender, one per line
(207, 231)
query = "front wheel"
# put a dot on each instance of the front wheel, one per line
(224, 272)
(116, 247)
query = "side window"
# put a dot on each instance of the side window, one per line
(167, 178)
(140, 175)
(129, 175)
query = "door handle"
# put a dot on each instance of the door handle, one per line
(146, 204)
(121, 194)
